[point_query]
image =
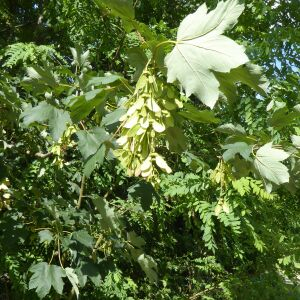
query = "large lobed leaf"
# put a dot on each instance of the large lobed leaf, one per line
(92, 146)
(268, 164)
(44, 276)
(248, 74)
(45, 112)
(201, 49)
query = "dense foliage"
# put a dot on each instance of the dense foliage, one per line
(149, 149)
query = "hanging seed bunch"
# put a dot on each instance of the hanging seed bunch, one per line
(150, 111)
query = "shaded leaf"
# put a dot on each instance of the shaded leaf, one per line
(104, 80)
(109, 219)
(138, 59)
(144, 193)
(94, 160)
(83, 237)
(43, 75)
(248, 74)
(44, 276)
(44, 112)
(81, 106)
(283, 117)
(296, 140)
(176, 139)
(90, 141)
(149, 266)
(113, 117)
(87, 269)
(203, 116)
(119, 8)
(70, 273)
(231, 129)
(45, 236)
(135, 240)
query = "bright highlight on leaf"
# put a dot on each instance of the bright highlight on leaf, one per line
(201, 49)
(268, 164)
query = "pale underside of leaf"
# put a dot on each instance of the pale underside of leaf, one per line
(201, 49)
(267, 163)
(222, 18)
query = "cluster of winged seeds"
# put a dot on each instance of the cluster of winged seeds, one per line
(150, 111)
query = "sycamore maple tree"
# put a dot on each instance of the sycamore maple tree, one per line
(171, 176)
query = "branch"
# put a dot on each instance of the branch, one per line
(43, 155)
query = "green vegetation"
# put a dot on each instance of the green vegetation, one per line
(149, 149)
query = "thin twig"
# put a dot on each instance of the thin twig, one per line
(58, 251)
(81, 192)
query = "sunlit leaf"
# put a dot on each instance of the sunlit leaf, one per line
(268, 164)
(201, 48)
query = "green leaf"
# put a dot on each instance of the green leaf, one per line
(203, 116)
(88, 269)
(149, 266)
(41, 75)
(81, 106)
(44, 112)
(94, 160)
(45, 236)
(177, 141)
(249, 74)
(135, 240)
(231, 129)
(201, 48)
(232, 149)
(90, 141)
(267, 163)
(138, 59)
(73, 278)
(44, 276)
(113, 117)
(109, 218)
(105, 80)
(283, 117)
(83, 237)
(119, 8)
